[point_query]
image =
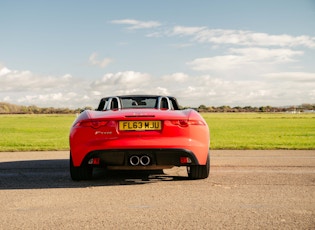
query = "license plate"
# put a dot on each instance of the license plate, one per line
(139, 125)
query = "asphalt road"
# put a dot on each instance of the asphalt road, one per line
(245, 190)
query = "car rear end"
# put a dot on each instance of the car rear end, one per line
(139, 139)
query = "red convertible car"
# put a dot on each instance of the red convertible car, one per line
(141, 132)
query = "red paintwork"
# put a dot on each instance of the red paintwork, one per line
(84, 138)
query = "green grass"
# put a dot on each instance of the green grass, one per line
(228, 131)
(261, 130)
(34, 132)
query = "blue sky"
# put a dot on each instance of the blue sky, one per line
(211, 52)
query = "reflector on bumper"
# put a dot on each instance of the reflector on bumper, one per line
(94, 161)
(185, 160)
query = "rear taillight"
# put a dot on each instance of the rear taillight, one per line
(92, 124)
(185, 123)
(182, 123)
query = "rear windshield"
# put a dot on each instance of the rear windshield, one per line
(134, 102)
(139, 102)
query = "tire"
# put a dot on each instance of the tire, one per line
(199, 171)
(80, 173)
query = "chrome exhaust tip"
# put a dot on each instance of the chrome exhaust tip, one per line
(134, 160)
(145, 160)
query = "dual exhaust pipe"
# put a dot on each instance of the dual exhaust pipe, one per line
(139, 160)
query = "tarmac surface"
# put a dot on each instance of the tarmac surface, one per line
(246, 189)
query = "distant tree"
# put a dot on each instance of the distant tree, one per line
(307, 106)
(4, 108)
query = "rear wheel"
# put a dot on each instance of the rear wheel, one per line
(80, 173)
(199, 171)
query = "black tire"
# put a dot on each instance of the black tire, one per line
(199, 171)
(81, 172)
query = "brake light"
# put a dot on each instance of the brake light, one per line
(182, 123)
(186, 123)
(92, 124)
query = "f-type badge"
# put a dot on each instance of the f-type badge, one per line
(102, 133)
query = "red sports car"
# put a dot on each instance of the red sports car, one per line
(141, 132)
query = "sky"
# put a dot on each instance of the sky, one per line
(204, 52)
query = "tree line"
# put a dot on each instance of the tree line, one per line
(268, 109)
(7, 108)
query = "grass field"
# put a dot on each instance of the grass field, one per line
(34, 132)
(261, 130)
(228, 131)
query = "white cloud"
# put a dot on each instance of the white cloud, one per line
(216, 63)
(128, 82)
(14, 80)
(204, 89)
(100, 63)
(4, 71)
(184, 30)
(7, 99)
(291, 76)
(136, 24)
(128, 79)
(176, 77)
(25, 87)
(243, 37)
(202, 34)
(191, 90)
(238, 58)
(265, 54)
(161, 91)
(54, 99)
(156, 34)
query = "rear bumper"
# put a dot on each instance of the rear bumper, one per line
(159, 158)
(115, 151)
